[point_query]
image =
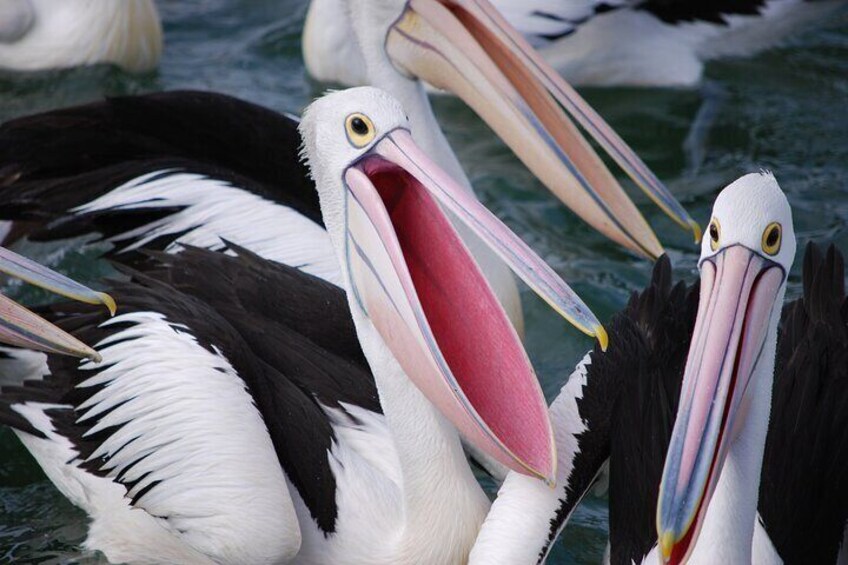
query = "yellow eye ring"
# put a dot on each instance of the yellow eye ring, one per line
(360, 130)
(714, 231)
(772, 238)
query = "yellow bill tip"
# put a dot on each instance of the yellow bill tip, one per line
(603, 337)
(696, 229)
(108, 302)
(666, 542)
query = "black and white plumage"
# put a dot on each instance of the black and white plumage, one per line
(159, 170)
(209, 387)
(807, 443)
(657, 42)
(609, 42)
(162, 148)
(635, 389)
(234, 417)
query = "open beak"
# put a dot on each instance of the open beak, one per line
(417, 282)
(23, 328)
(466, 47)
(739, 290)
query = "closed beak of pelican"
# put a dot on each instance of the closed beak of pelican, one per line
(22, 328)
(466, 47)
(739, 290)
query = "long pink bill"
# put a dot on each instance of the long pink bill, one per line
(422, 290)
(465, 47)
(739, 290)
(490, 21)
(401, 150)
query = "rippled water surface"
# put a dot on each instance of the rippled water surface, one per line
(783, 110)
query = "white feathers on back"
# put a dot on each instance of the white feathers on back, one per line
(187, 433)
(190, 473)
(213, 209)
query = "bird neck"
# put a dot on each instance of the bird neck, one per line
(728, 530)
(442, 499)
(330, 50)
(409, 91)
(527, 514)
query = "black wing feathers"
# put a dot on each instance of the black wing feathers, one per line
(712, 11)
(646, 368)
(269, 304)
(637, 348)
(804, 487)
(53, 162)
(299, 429)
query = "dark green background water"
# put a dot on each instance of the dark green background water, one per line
(784, 110)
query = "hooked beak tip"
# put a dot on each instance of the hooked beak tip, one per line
(696, 229)
(109, 303)
(603, 337)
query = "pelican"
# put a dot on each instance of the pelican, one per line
(708, 496)
(21, 327)
(231, 419)
(470, 51)
(42, 34)
(618, 410)
(600, 42)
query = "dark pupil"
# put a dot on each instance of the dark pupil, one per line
(359, 126)
(714, 232)
(771, 240)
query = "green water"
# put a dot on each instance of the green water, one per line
(783, 110)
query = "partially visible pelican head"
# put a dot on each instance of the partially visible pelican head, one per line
(46, 34)
(408, 273)
(467, 48)
(746, 256)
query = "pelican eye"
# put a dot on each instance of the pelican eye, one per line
(772, 238)
(715, 233)
(360, 129)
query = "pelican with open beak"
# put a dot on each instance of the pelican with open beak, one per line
(708, 496)
(23, 328)
(415, 287)
(345, 478)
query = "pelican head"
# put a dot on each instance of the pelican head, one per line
(409, 274)
(746, 256)
(467, 48)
